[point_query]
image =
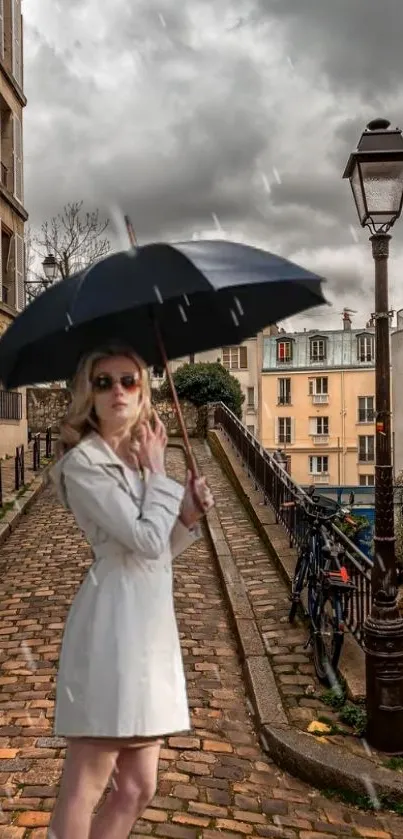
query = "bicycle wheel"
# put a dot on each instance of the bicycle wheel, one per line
(298, 583)
(329, 636)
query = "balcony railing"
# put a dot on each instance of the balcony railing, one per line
(10, 405)
(287, 500)
(320, 398)
(366, 415)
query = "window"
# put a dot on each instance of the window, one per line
(367, 480)
(284, 391)
(19, 272)
(250, 401)
(235, 358)
(366, 448)
(317, 349)
(366, 409)
(365, 348)
(318, 386)
(10, 405)
(284, 430)
(319, 425)
(18, 170)
(157, 372)
(318, 464)
(251, 429)
(284, 351)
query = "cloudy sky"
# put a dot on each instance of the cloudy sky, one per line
(230, 118)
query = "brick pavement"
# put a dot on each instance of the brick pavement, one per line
(216, 782)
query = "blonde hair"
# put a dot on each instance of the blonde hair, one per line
(81, 419)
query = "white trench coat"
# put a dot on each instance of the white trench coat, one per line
(120, 669)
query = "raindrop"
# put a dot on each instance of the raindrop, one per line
(186, 299)
(17, 505)
(69, 320)
(366, 747)
(238, 305)
(183, 314)
(334, 683)
(217, 222)
(29, 719)
(354, 233)
(267, 410)
(264, 742)
(158, 294)
(69, 694)
(276, 175)
(266, 183)
(114, 784)
(234, 317)
(381, 563)
(93, 577)
(371, 792)
(291, 63)
(26, 650)
(277, 821)
(162, 20)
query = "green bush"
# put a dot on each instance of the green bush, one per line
(205, 382)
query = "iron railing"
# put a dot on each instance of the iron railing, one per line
(36, 452)
(48, 442)
(19, 467)
(286, 498)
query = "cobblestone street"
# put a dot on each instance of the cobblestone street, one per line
(217, 782)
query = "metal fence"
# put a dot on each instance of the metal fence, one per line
(286, 498)
(13, 471)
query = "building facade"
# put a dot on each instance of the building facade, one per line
(318, 404)
(13, 423)
(244, 361)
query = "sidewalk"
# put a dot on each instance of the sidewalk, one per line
(216, 783)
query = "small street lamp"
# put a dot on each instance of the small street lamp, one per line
(375, 171)
(50, 268)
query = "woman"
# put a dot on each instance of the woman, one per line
(121, 685)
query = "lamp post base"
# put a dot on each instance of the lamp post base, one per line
(383, 646)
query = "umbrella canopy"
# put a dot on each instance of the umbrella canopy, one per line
(202, 295)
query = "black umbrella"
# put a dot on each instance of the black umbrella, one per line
(199, 295)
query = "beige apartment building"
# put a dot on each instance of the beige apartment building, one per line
(13, 423)
(244, 361)
(318, 404)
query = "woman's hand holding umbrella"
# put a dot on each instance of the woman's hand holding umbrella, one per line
(150, 444)
(197, 501)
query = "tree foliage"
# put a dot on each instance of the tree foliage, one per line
(205, 382)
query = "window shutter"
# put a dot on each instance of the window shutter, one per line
(1, 28)
(312, 425)
(17, 40)
(18, 182)
(19, 272)
(243, 358)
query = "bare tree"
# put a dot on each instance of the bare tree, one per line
(75, 238)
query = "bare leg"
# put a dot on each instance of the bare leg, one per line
(133, 787)
(86, 772)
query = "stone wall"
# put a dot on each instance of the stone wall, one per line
(48, 406)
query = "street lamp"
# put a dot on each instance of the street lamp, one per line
(50, 268)
(375, 171)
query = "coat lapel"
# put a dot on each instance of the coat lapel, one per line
(100, 454)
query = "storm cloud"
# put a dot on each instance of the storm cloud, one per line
(232, 118)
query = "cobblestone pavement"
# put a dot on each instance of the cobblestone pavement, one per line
(216, 783)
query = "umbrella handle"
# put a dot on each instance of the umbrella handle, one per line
(191, 460)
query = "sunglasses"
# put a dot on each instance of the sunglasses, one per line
(105, 383)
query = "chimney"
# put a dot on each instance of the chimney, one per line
(346, 320)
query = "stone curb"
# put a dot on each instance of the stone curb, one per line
(12, 517)
(319, 763)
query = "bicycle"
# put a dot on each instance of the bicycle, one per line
(321, 567)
